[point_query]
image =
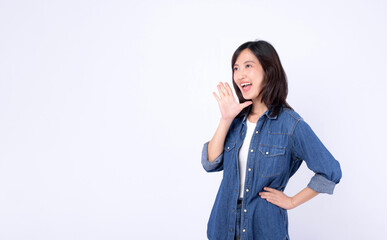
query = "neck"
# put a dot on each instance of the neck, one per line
(258, 108)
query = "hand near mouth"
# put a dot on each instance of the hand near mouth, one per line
(229, 106)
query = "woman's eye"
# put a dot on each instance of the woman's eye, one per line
(235, 68)
(248, 65)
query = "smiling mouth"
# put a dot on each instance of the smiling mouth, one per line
(246, 86)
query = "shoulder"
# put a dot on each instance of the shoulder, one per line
(288, 113)
(285, 122)
(289, 116)
(297, 122)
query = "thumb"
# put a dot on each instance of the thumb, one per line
(245, 104)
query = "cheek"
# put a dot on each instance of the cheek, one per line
(259, 77)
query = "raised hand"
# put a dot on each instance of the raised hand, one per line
(228, 105)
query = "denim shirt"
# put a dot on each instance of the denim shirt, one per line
(278, 147)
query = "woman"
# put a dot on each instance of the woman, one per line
(259, 144)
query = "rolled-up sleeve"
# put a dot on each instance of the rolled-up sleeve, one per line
(307, 146)
(216, 165)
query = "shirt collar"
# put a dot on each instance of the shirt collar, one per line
(267, 113)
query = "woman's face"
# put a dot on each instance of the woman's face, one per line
(247, 69)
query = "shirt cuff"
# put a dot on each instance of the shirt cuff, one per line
(321, 184)
(207, 165)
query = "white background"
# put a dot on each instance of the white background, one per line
(105, 107)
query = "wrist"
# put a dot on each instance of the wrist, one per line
(226, 122)
(293, 202)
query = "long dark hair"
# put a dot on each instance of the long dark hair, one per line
(274, 86)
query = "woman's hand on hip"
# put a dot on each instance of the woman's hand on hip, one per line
(278, 198)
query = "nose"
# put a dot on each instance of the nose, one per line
(240, 75)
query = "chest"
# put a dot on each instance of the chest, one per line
(268, 133)
(267, 151)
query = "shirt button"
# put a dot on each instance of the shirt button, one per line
(233, 210)
(249, 169)
(245, 210)
(251, 150)
(247, 190)
(267, 153)
(256, 131)
(243, 133)
(230, 229)
(228, 147)
(244, 230)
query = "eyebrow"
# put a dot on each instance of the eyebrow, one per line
(245, 62)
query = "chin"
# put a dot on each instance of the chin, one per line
(250, 97)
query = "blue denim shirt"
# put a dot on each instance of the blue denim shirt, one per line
(278, 147)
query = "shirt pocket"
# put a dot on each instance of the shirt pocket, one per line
(229, 145)
(270, 160)
(228, 154)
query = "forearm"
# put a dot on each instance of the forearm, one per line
(303, 196)
(216, 145)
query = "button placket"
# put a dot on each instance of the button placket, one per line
(249, 169)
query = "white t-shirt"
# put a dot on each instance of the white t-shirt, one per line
(243, 153)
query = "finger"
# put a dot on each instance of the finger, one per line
(223, 89)
(228, 89)
(247, 103)
(272, 199)
(273, 202)
(221, 92)
(270, 189)
(216, 96)
(265, 194)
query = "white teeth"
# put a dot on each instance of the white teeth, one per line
(244, 84)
